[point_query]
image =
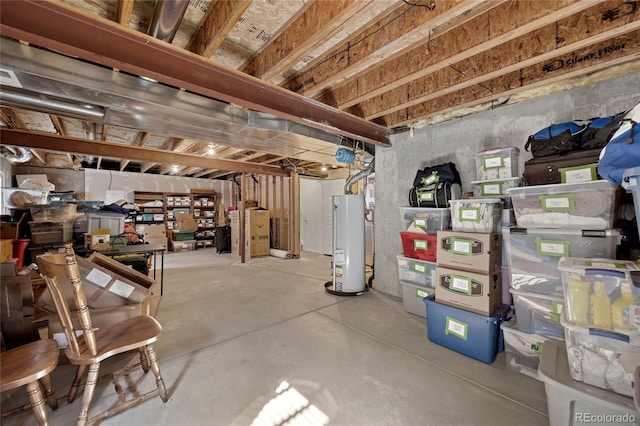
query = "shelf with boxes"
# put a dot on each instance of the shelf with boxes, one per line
(204, 212)
(151, 208)
(176, 203)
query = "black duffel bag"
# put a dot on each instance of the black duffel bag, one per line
(435, 195)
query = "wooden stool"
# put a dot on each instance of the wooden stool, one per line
(27, 364)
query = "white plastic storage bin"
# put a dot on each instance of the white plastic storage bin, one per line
(416, 271)
(601, 293)
(631, 183)
(19, 198)
(605, 359)
(539, 313)
(104, 219)
(572, 403)
(494, 188)
(585, 205)
(522, 349)
(482, 215)
(425, 220)
(412, 296)
(533, 254)
(499, 163)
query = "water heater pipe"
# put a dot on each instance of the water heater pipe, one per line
(358, 176)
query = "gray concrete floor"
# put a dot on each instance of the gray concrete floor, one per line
(242, 343)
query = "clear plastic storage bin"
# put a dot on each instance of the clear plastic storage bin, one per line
(19, 198)
(499, 163)
(539, 313)
(572, 403)
(494, 188)
(604, 359)
(482, 215)
(522, 349)
(585, 205)
(412, 295)
(54, 211)
(601, 293)
(533, 254)
(416, 271)
(425, 220)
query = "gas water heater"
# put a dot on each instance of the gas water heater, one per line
(348, 244)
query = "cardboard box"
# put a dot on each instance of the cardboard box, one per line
(161, 241)
(473, 292)
(152, 231)
(6, 249)
(186, 222)
(257, 242)
(11, 230)
(106, 283)
(470, 251)
(16, 295)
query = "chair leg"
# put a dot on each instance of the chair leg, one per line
(153, 363)
(37, 402)
(75, 385)
(87, 396)
(49, 392)
(143, 360)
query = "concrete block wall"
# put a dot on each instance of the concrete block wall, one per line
(459, 140)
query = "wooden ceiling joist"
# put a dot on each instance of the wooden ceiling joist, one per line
(501, 60)
(447, 82)
(216, 25)
(518, 81)
(384, 40)
(51, 142)
(321, 20)
(489, 30)
(125, 7)
(124, 164)
(41, 156)
(146, 165)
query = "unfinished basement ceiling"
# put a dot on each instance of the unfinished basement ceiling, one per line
(266, 86)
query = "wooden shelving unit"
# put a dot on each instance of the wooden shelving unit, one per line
(152, 210)
(176, 203)
(204, 208)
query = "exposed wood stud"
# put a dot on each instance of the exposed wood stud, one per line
(125, 7)
(216, 25)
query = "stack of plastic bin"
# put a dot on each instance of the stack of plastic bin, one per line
(552, 221)
(466, 313)
(416, 266)
(497, 171)
(601, 317)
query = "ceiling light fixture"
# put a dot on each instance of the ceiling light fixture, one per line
(324, 168)
(211, 150)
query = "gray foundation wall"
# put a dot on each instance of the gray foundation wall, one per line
(459, 140)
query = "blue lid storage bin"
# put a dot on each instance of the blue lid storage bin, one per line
(470, 334)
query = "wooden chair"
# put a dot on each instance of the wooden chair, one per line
(29, 365)
(94, 346)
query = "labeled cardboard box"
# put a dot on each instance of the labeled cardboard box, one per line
(186, 222)
(106, 283)
(473, 292)
(470, 251)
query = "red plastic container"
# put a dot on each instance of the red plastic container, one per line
(421, 246)
(19, 247)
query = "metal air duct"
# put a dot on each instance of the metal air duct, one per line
(167, 17)
(18, 98)
(23, 156)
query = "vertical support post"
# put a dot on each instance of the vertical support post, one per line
(243, 198)
(294, 214)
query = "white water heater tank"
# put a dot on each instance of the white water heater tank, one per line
(348, 243)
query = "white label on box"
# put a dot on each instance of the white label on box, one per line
(99, 278)
(579, 175)
(602, 265)
(461, 246)
(419, 267)
(455, 327)
(491, 189)
(420, 244)
(557, 203)
(493, 162)
(469, 214)
(553, 248)
(420, 222)
(461, 284)
(121, 289)
(421, 294)
(338, 256)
